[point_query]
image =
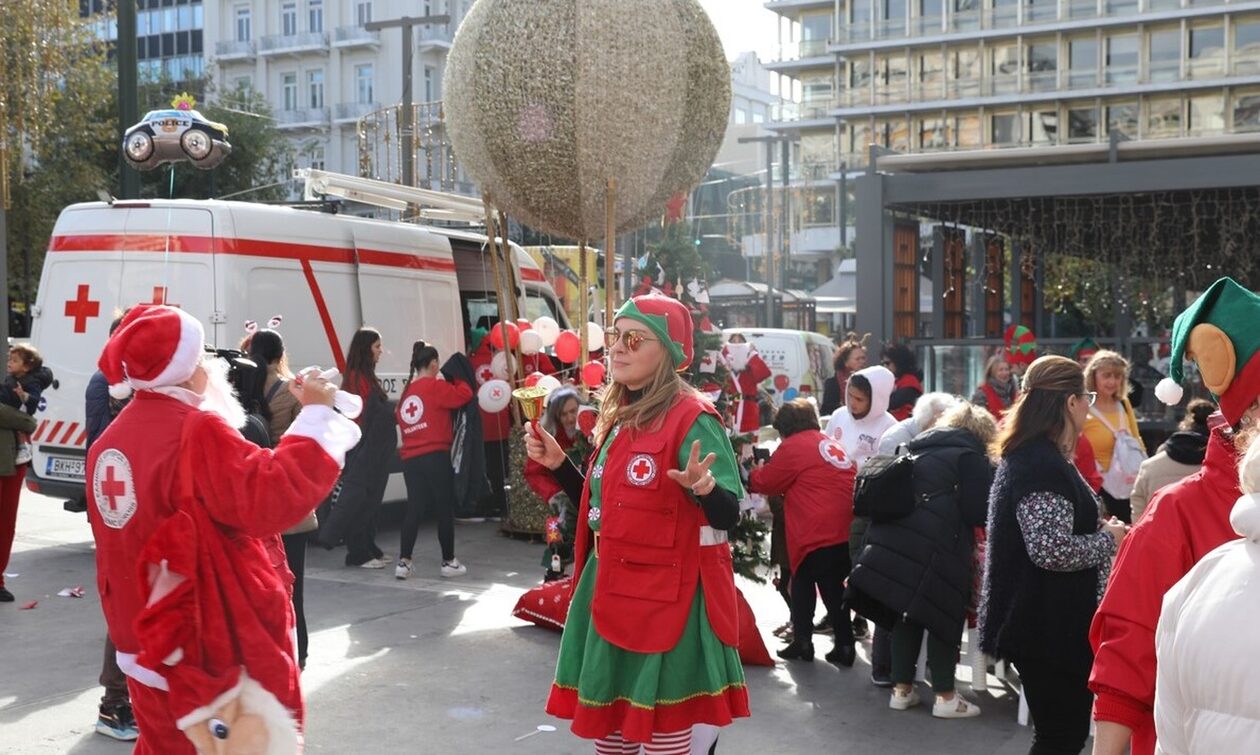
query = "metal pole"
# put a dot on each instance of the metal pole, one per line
(128, 96)
(408, 125)
(844, 205)
(785, 228)
(4, 273)
(769, 235)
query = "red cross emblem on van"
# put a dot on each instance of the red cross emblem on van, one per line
(641, 470)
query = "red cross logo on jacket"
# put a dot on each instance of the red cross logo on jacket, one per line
(641, 470)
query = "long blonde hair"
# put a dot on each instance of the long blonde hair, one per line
(649, 410)
(1107, 360)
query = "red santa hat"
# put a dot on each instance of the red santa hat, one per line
(154, 346)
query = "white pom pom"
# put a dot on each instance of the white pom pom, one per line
(119, 391)
(1169, 391)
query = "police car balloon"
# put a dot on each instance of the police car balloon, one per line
(168, 136)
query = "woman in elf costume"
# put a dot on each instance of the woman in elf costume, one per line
(649, 648)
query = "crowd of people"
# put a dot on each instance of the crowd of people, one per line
(1027, 515)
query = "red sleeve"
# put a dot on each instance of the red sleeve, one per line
(776, 476)
(258, 491)
(1123, 631)
(541, 480)
(757, 368)
(1087, 464)
(452, 394)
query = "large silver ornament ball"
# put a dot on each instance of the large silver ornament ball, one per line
(546, 100)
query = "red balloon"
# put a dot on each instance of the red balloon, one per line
(593, 374)
(496, 335)
(532, 379)
(568, 346)
(781, 382)
(523, 324)
(587, 420)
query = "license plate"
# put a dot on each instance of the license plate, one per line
(69, 469)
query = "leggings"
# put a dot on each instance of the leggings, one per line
(942, 657)
(674, 743)
(430, 485)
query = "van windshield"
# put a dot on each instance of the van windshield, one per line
(482, 307)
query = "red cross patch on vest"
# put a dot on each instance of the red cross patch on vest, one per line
(114, 488)
(833, 453)
(641, 470)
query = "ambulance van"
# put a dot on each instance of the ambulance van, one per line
(227, 263)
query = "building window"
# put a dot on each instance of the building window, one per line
(1082, 124)
(288, 19)
(861, 21)
(315, 88)
(1004, 69)
(317, 156)
(967, 131)
(815, 32)
(1043, 66)
(1005, 128)
(289, 87)
(1207, 52)
(929, 16)
(891, 85)
(932, 134)
(1082, 63)
(1163, 117)
(1123, 118)
(1122, 59)
(243, 84)
(1247, 46)
(964, 73)
(931, 76)
(243, 26)
(1005, 13)
(430, 84)
(1121, 7)
(365, 83)
(1045, 10)
(1207, 114)
(1164, 49)
(1042, 126)
(363, 13)
(893, 16)
(1246, 111)
(315, 16)
(741, 117)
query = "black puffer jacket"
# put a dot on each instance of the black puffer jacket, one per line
(919, 567)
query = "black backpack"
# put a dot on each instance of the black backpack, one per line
(884, 488)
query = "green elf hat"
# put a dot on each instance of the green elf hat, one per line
(1021, 345)
(669, 320)
(1085, 348)
(1218, 332)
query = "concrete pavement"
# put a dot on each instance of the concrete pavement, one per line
(432, 665)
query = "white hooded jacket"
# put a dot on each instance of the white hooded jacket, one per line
(860, 437)
(1206, 699)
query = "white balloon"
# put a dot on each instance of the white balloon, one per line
(531, 342)
(494, 396)
(594, 336)
(549, 382)
(547, 329)
(498, 365)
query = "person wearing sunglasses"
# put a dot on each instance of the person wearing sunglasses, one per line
(1048, 555)
(649, 646)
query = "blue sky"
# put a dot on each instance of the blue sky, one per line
(743, 25)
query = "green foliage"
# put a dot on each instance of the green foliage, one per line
(748, 548)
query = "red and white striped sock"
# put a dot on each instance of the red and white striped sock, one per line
(673, 743)
(613, 744)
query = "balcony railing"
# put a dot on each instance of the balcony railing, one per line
(306, 41)
(235, 50)
(811, 109)
(353, 111)
(793, 51)
(301, 118)
(440, 35)
(355, 36)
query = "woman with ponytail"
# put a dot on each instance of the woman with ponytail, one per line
(424, 417)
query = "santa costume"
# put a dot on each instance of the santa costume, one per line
(747, 370)
(1184, 521)
(182, 508)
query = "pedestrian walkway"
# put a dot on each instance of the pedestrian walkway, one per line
(434, 661)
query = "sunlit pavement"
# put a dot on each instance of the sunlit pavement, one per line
(434, 665)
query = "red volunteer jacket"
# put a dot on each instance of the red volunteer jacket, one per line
(1184, 522)
(539, 478)
(745, 413)
(248, 493)
(650, 557)
(911, 389)
(816, 479)
(424, 414)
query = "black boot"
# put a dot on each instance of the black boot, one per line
(842, 655)
(798, 651)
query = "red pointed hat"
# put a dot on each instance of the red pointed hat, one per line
(667, 318)
(154, 346)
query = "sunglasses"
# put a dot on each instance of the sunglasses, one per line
(1090, 396)
(633, 339)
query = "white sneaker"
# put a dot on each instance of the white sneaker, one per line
(469, 519)
(374, 563)
(903, 700)
(956, 707)
(403, 569)
(453, 568)
(24, 454)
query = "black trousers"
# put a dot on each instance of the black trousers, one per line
(1060, 703)
(495, 503)
(113, 679)
(825, 570)
(361, 533)
(295, 554)
(430, 485)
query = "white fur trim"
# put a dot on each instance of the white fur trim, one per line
(333, 432)
(174, 657)
(184, 361)
(282, 734)
(162, 581)
(131, 667)
(119, 391)
(1169, 391)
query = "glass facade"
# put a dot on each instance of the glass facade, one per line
(169, 39)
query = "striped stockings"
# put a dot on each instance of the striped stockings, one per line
(674, 743)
